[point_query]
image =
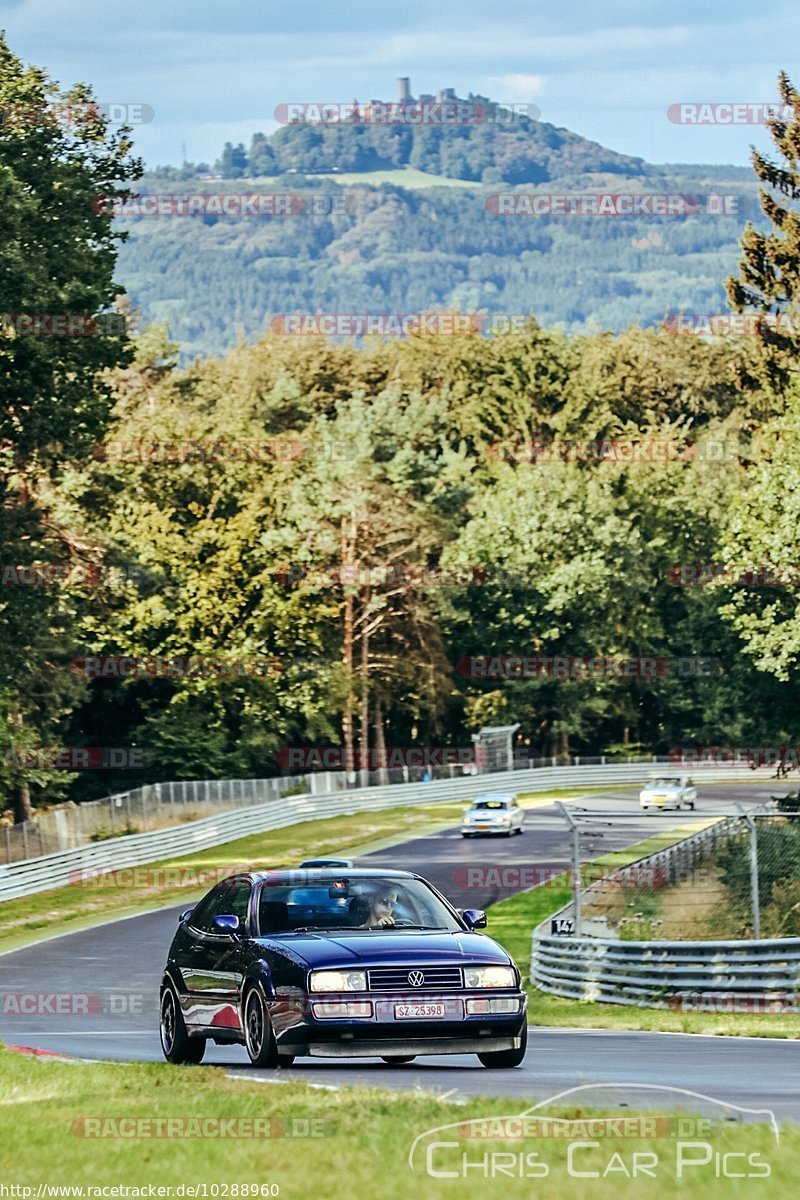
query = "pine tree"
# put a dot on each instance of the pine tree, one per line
(769, 270)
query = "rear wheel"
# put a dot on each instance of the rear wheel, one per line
(507, 1058)
(397, 1060)
(177, 1046)
(259, 1039)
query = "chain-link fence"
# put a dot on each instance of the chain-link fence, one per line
(154, 806)
(737, 877)
(159, 805)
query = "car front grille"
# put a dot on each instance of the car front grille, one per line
(389, 979)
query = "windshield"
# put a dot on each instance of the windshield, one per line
(341, 902)
(665, 782)
(490, 804)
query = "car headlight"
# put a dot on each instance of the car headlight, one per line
(338, 981)
(489, 977)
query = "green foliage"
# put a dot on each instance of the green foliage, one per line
(102, 834)
(778, 863)
(406, 456)
(57, 257)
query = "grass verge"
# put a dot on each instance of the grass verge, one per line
(362, 1143)
(173, 880)
(189, 876)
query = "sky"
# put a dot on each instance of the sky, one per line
(215, 70)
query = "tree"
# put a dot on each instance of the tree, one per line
(60, 168)
(233, 161)
(769, 270)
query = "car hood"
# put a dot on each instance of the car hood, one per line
(389, 949)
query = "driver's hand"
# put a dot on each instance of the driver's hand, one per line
(385, 921)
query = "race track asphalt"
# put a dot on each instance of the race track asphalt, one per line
(118, 967)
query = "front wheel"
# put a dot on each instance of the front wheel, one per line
(259, 1038)
(177, 1046)
(507, 1058)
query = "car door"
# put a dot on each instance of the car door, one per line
(519, 814)
(214, 961)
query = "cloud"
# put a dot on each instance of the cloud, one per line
(516, 88)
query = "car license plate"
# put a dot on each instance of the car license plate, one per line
(404, 1012)
(481, 826)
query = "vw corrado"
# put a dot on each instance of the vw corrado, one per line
(338, 964)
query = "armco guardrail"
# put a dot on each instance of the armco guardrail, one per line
(54, 870)
(662, 974)
(659, 974)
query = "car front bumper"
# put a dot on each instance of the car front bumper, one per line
(383, 1034)
(486, 828)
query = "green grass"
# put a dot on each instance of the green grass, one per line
(361, 1149)
(64, 909)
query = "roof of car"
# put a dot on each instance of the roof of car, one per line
(494, 796)
(289, 874)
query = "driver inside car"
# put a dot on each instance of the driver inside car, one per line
(378, 906)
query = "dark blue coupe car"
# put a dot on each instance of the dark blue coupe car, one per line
(338, 964)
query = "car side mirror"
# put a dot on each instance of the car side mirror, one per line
(187, 912)
(475, 918)
(225, 923)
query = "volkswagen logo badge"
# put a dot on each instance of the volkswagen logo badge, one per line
(416, 978)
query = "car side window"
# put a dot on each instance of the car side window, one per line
(225, 898)
(236, 900)
(206, 910)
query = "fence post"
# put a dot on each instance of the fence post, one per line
(755, 899)
(576, 865)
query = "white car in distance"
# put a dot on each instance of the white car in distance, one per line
(493, 812)
(668, 791)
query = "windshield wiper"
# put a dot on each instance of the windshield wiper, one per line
(402, 925)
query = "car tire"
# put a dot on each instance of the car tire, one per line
(176, 1045)
(259, 1037)
(466, 835)
(397, 1060)
(506, 1058)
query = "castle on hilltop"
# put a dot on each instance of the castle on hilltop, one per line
(404, 94)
